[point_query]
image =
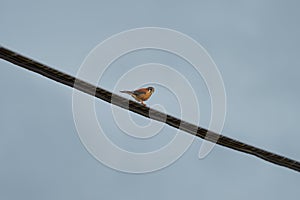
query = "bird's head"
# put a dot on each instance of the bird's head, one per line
(151, 89)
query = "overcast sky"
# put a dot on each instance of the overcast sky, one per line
(255, 45)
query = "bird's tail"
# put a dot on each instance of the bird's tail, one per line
(126, 92)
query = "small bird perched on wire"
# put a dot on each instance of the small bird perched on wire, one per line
(141, 95)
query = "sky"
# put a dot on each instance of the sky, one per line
(254, 44)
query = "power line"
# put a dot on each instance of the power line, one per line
(105, 95)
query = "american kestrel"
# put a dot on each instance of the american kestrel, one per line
(141, 95)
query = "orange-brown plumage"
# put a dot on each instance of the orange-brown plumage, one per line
(141, 95)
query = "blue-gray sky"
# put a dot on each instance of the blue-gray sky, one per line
(255, 45)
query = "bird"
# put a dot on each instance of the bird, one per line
(140, 95)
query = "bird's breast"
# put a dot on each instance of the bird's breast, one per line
(145, 96)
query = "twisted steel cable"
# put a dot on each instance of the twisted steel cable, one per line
(115, 99)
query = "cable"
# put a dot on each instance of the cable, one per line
(105, 95)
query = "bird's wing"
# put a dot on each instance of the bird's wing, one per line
(140, 91)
